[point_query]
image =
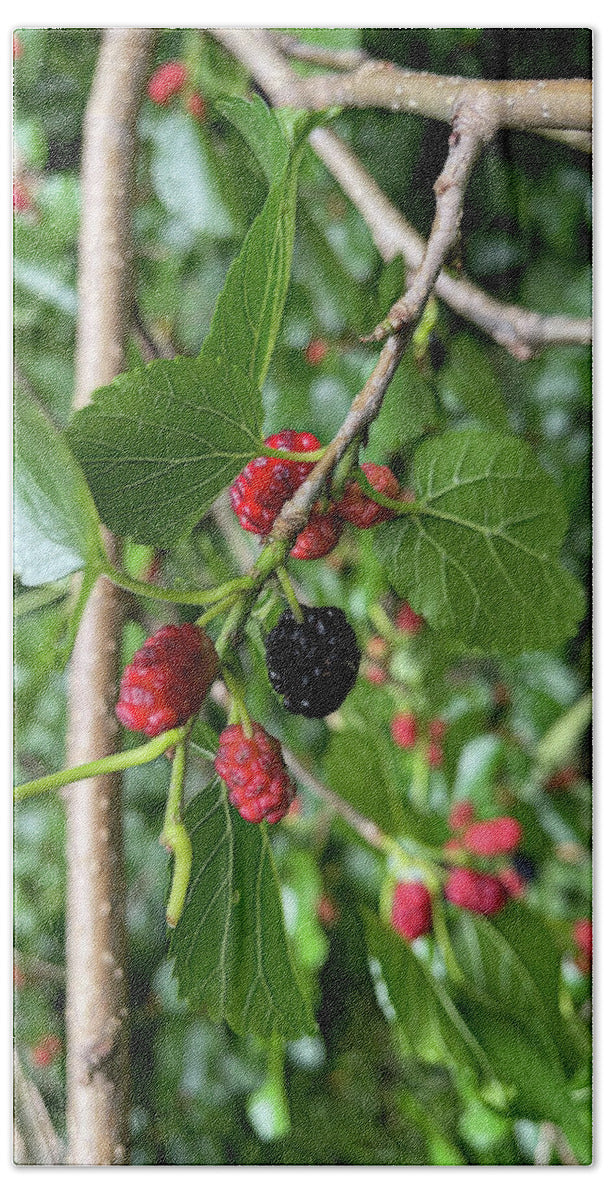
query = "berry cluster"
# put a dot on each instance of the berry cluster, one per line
(480, 892)
(312, 663)
(254, 773)
(167, 680)
(406, 733)
(170, 79)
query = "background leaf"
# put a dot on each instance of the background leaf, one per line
(56, 526)
(261, 129)
(230, 948)
(480, 558)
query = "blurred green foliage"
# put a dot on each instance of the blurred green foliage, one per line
(354, 1093)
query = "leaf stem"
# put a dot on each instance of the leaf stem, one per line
(289, 593)
(101, 766)
(152, 591)
(310, 456)
(174, 835)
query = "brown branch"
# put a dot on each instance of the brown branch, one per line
(367, 829)
(473, 125)
(520, 331)
(97, 1085)
(517, 103)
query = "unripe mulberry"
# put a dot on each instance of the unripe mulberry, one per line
(411, 912)
(359, 509)
(254, 773)
(408, 621)
(483, 894)
(501, 835)
(265, 484)
(319, 537)
(167, 680)
(167, 81)
(404, 730)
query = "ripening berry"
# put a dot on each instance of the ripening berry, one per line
(196, 107)
(407, 621)
(167, 680)
(22, 201)
(327, 912)
(46, 1050)
(315, 352)
(500, 835)
(434, 756)
(254, 773)
(376, 648)
(437, 729)
(263, 486)
(512, 882)
(411, 912)
(404, 730)
(461, 814)
(167, 81)
(17, 46)
(582, 932)
(359, 509)
(483, 894)
(320, 536)
(375, 673)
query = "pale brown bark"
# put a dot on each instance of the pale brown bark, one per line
(96, 1010)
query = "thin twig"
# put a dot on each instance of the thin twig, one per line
(323, 56)
(368, 830)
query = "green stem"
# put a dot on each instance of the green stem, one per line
(310, 456)
(101, 766)
(237, 692)
(241, 583)
(175, 837)
(399, 507)
(289, 593)
(216, 610)
(440, 930)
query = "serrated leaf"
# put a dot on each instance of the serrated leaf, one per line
(56, 526)
(159, 445)
(431, 1023)
(230, 948)
(259, 126)
(479, 558)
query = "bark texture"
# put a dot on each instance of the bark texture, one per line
(96, 1010)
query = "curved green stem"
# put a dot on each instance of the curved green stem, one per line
(101, 766)
(175, 836)
(289, 593)
(311, 456)
(238, 708)
(399, 507)
(152, 591)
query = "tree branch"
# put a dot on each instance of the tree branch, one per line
(97, 1057)
(520, 331)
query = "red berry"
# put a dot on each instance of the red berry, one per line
(327, 912)
(411, 912)
(22, 200)
(562, 780)
(315, 352)
(437, 729)
(498, 836)
(434, 756)
(17, 46)
(196, 107)
(407, 621)
(512, 882)
(375, 674)
(404, 730)
(376, 648)
(452, 844)
(582, 932)
(166, 82)
(483, 894)
(167, 680)
(254, 773)
(319, 537)
(46, 1050)
(260, 491)
(18, 976)
(461, 815)
(357, 508)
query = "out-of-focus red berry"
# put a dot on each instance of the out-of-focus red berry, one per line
(375, 673)
(17, 46)
(22, 201)
(316, 351)
(483, 894)
(582, 932)
(501, 835)
(411, 911)
(434, 756)
(461, 814)
(407, 621)
(512, 882)
(46, 1050)
(167, 81)
(561, 781)
(452, 844)
(437, 729)
(196, 107)
(376, 648)
(327, 912)
(18, 976)
(404, 730)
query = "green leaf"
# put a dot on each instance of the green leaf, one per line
(430, 1022)
(479, 557)
(158, 445)
(56, 526)
(260, 128)
(230, 947)
(356, 769)
(469, 379)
